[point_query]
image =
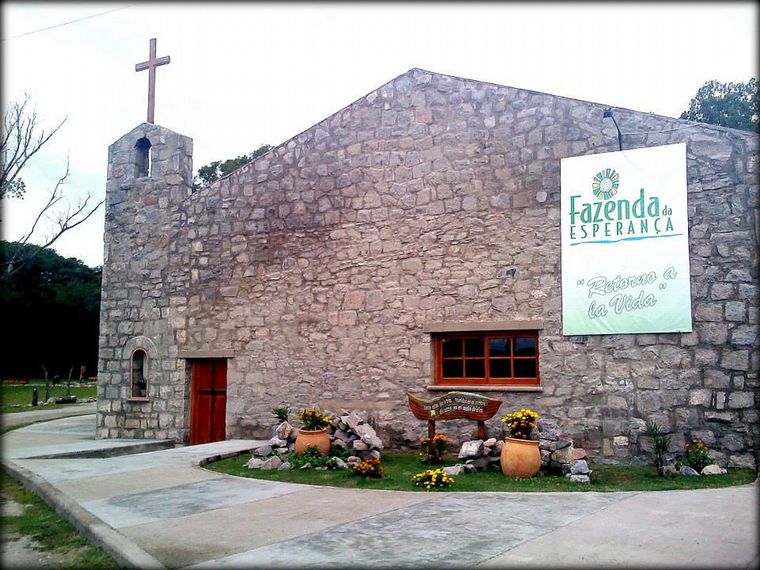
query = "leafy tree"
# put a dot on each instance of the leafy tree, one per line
(210, 173)
(51, 311)
(732, 105)
(21, 138)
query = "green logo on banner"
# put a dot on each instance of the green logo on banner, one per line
(605, 184)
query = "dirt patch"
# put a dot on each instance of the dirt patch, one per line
(22, 552)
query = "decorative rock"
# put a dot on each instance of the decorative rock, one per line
(263, 451)
(277, 442)
(353, 460)
(579, 467)
(340, 443)
(472, 448)
(564, 455)
(340, 464)
(272, 463)
(359, 445)
(563, 441)
(490, 442)
(320, 468)
(470, 468)
(306, 466)
(283, 431)
(254, 463)
(453, 470)
(375, 454)
(496, 450)
(285, 466)
(579, 478)
(375, 442)
(579, 453)
(686, 470)
(480, 463)
(365, 432)
(712, 470)
(352, 420)
(669, 470)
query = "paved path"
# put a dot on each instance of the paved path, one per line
(161, 509)
(22, 418)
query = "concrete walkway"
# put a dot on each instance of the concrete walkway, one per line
(160, 508)
(41, 414)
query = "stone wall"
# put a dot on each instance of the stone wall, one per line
(436, 198)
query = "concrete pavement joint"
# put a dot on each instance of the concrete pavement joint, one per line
(124, 552)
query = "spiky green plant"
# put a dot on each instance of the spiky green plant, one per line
(660, 444)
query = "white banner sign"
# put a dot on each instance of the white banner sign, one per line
(625, 246)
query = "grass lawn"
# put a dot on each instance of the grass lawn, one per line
(52, 533)
(401, 466)
(18, 398)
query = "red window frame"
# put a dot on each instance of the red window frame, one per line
(487, 359)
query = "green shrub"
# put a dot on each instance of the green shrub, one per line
(282, 413)
(697, 456)
(314, 456)
(660, 444)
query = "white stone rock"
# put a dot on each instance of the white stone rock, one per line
(490, 442)
(283, 431)
(352, 420)
(254, 463)
(454, 469)
(359, 445)
(471, 449)
(272, 463)
(277, 442)
(340, 463)
(579, 467)
(579, 478)
(712, 470)
(620, 441)
(263, 451)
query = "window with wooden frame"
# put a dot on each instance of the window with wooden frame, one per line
(139, 374)
(484, 358)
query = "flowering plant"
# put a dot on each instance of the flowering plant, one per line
(696, 455)
(369, 468)
(433, 478)
(520, 423)
(313, 419)
(434, 449)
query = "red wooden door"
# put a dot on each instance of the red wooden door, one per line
(209, 402)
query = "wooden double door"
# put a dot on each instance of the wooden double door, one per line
(208, 406)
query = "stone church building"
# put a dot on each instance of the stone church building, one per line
(379, 251)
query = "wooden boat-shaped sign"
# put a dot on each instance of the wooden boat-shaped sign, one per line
(454, 405)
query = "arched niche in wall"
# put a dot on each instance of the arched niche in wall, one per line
(142, 357)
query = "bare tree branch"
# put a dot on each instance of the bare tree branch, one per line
(21, 140)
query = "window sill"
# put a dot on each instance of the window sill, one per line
(138, 400)
(492, 388)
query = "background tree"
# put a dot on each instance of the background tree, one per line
(732, 105)
(50, 309)
(210, 173)
(21, 138)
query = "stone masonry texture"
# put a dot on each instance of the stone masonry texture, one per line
(432, 199)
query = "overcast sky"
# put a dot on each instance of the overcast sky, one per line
(242, 75)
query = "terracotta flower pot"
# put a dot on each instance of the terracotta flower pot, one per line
(520, 457)
(317, 438)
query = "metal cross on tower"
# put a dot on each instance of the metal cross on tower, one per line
(151, 66)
